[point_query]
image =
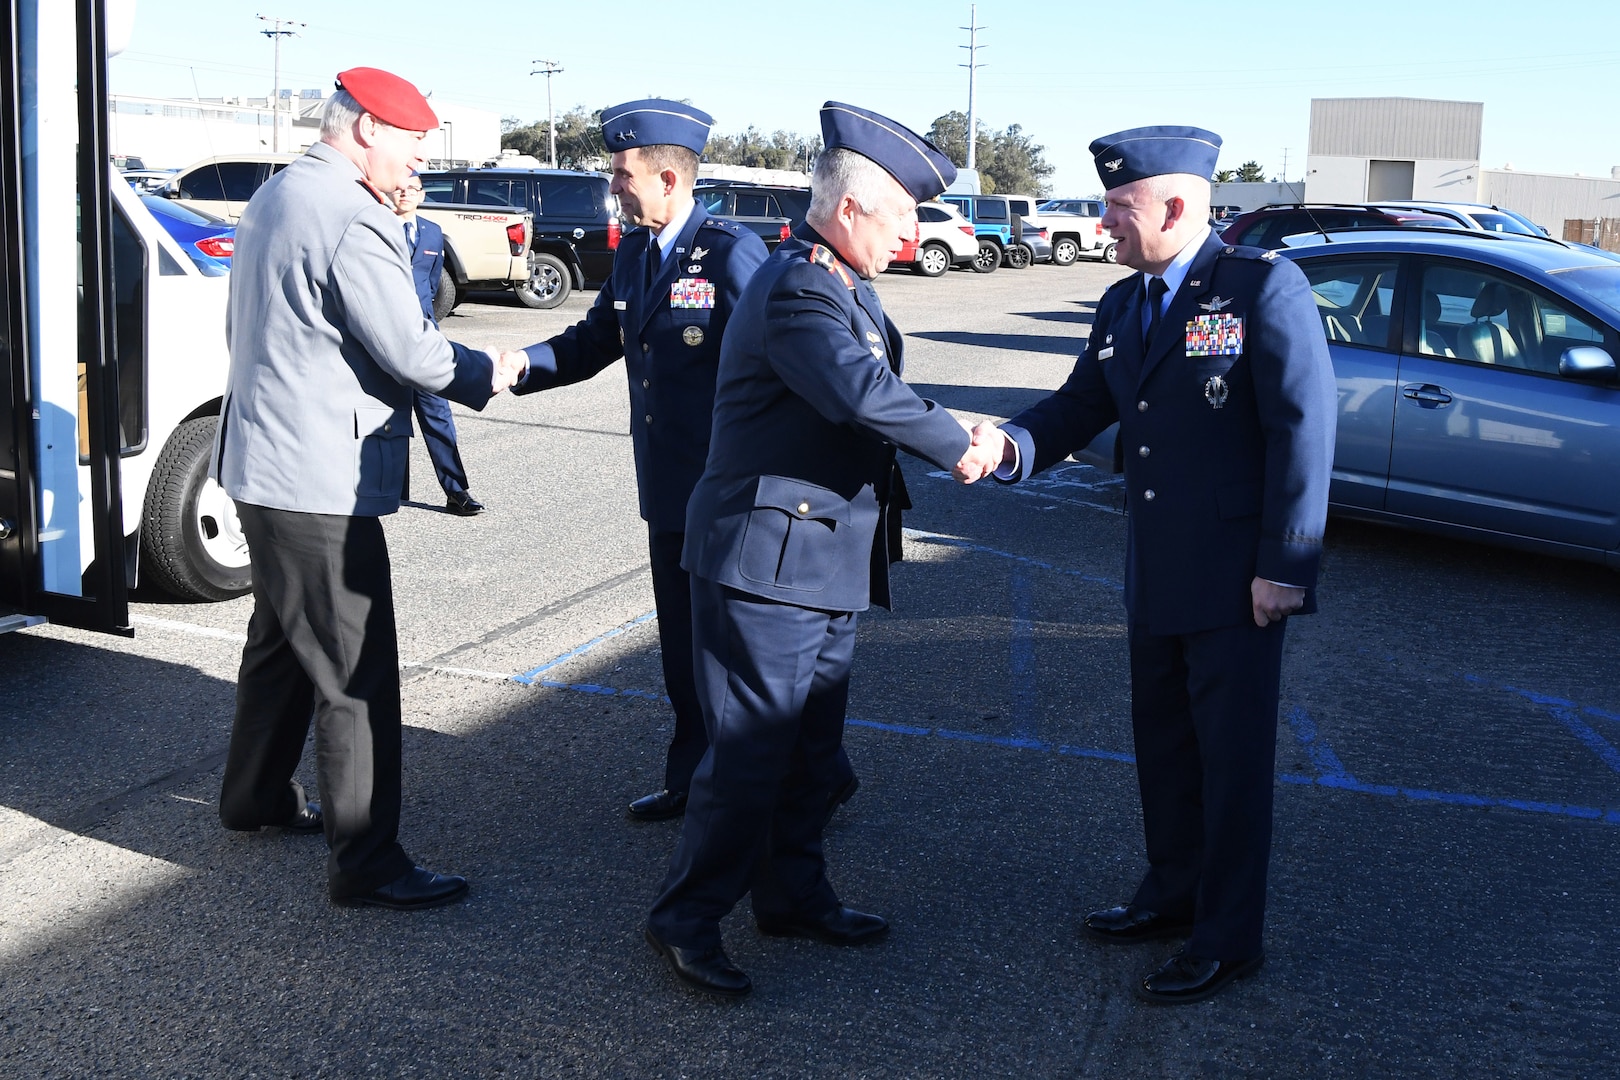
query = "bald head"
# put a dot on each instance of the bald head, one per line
(1153, 218)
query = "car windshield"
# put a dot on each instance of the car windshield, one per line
(1601, 283)
(1494, 222)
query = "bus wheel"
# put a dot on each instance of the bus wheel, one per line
(191, 541)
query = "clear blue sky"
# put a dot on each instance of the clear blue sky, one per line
(1548, 72)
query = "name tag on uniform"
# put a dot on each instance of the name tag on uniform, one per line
(1105, 353)
(1215, 335)
(691, 293)
(621, 305)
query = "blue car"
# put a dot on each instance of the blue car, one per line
(1477, 385)
(210, 241)
(1478, 392)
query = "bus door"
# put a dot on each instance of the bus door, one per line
(62, 547)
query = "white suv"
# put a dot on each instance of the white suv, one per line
(944, 239)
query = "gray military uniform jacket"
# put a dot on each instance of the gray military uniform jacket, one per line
(327, 341)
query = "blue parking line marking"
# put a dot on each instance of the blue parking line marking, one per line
(1564, 711)
(527, 678)
(1021, 646)
(1320, 753)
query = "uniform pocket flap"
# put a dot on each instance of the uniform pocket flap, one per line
(379, 420)
(1239, 500)
(802, 500)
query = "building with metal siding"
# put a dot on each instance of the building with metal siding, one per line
(1403, 149)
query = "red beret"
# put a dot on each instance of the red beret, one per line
(389, 98)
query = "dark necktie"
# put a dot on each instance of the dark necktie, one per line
(1155, 290)
(655, 260)
(410, 236)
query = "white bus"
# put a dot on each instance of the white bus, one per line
(112, 353)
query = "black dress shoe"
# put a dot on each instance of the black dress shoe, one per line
(1183, 979)
(1129, 924)
(659, 806)
(307, 820)
(708, 970)
(413, 890)
(463, 505)
(841, 795)
(840, 926)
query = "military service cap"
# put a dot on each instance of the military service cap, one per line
(908, 157)
(1154, 151)
(389, 98)
(655, 122)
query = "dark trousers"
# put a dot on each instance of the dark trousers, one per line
(438, 429)
(1204, 716)
(321, 638)
(672, 592)
(774, 682)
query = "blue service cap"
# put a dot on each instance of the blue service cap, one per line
(908, 157)
(655, 122)
(1154, 151)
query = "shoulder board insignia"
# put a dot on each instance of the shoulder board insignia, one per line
(1269, 256)
(723, 224)
(375, 194)
(824, 258)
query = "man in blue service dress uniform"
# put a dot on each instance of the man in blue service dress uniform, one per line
(1213, 362)
(664, 308)
(424, 241)
(789, 534)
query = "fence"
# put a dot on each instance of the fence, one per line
(1599, 232)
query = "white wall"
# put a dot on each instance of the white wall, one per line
(1251, 196)
(167, 133)
(1335, 179)
(1446, 181)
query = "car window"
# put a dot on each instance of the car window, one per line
(713, 199)
(1487, 317)
(495, 191)
(571, 198)
(1494, 222)
(1354, 299)
(225, 181)
(438, 189)
(992, 210)
(753, 205)
(932, 213)
(1019, 206)
(1601, 283)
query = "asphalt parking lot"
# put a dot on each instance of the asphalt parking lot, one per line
(1446, 872)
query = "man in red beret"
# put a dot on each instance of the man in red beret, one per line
(327, 344)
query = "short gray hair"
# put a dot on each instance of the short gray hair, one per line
(339, 115)
(844, 172)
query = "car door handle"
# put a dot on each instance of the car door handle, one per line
(1427, 395)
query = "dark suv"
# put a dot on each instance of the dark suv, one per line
(576, 222)
(772, 211)
(1267, 226)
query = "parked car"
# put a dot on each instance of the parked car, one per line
(944, 239)
(1474, 216)
(1478, 395)
(1094, 240)
(772, 211)
(994, 222)
(208, 240)
(1268, 226)
(222, 185)
(576, 225)
(147, 181)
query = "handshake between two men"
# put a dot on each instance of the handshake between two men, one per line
(989, 451)
(510, 367)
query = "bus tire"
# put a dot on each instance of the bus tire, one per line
(191, 541)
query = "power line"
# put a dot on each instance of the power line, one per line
(276, 34)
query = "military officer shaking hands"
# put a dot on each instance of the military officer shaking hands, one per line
(1213, 362)
(664, 309)
(789, 534)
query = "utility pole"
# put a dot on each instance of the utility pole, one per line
(1285, 165)
(548, 71)
(276, 34)
(972, 65)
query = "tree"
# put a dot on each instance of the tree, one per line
(1225, 176)
(781, 150)
(1251, 173)
(1007, 160)
(579, 139)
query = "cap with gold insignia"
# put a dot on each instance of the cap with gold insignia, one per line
(908, 157)
(654, 122)
(388, 97)
(1138, 153)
